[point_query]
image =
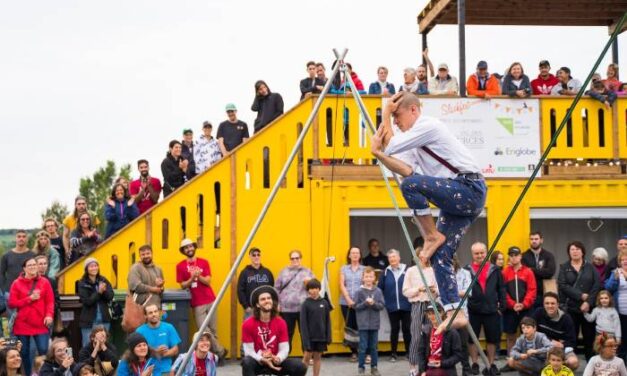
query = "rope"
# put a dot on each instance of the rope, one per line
(545, 155)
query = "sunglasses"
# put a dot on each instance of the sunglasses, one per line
(256, 254)
(84, 219)
(294, 258)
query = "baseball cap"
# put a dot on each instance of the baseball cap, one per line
(514, 251)
(230, 107)
(482, 65)
(544, 62)
(442, 66)
(437, 306)
(206, 124)
(187, 131)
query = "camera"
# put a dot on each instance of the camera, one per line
(10, 343)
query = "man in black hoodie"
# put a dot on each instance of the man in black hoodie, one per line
(541, 261)
(253, 276)
(267, 105)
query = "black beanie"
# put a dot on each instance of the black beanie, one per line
(135, 339)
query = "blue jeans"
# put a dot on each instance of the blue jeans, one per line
(460, 200)
(41, 342)
(368, 340)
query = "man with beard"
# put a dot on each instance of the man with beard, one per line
(71, 221)
(541, 261)
(162, 338)
(11, 264)
(545, 81)
(146, 189)
(51, 226)
(265, 338)
(146, 279)
(194, 273)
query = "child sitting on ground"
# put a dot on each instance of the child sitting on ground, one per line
(605, 315)
(528, 355)
(203, 361)
(600, 93)
(606, 363)
(555, 366)
(315, 331)
(438, 353)
(368, 302)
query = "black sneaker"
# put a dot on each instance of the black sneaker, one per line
(466, 371)
(474, 369)
(494, 370)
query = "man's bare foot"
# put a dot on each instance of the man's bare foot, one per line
(432, 243)
(460, 322)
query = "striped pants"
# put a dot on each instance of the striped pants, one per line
(417, 320)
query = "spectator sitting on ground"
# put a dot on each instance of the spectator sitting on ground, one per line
(95, 293)
(42, 247)
(267, 105)
(206, 149)
(51, 226)
(443, 83)
(603, 95)
(187, 151)
(311, 84)
(516, 83)
(382, 86)
(120, 210)
(162, 338)
(438, 353)
(231, 132)
(483, 84)
(85, 237)
(545, 81)
(137, 360)
(606, 363)
(612, 83)
(11, 362)
(567, 84)
(203, 363)
(321, 73)
(555, 366)
(411, 83)
(146, 189)
(59, 360)
(99, 353)
(528, 355)
(174, 168)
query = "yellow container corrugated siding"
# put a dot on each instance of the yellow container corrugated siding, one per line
(313, 215)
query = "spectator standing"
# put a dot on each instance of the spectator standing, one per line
(540, 261)
(612, 83)
(204, 362)
(137, 360)
(95, 293)
(483, 84)
(174, 169)
(621, 246)
(463, 283)
(146, 189)
(438, 353)
(194, 273)
(33, 300)
(600, 260)
(290, 285)
(59, 361)
(555, 366)
(431, 71)
(600, 93)
(85, 237)
(119, 210)
(71, 222)
(375, 258)
(267, 105)
(43, 247)
(485, 306)
(567, 84)
(252, 276)
(206, 149)
(421, 75)
(42, 270)
(606, 363)
(316, 329)
(312, 84)
(321, 73)
(616, 284)
(396, 304)
(578, 285)
(368, 302)
(545, 81)
(187, 151)
(51, 226)
(605, 316)
(12, 262)
(411, 83)
(99, 352)
(342, 87)
(231, 132)
(146, 279)
(162, 338)
(516, 82)
(265, 339)
(382, 86)
(443, 83)
(350, 280)
(497, 259)
(528, 355)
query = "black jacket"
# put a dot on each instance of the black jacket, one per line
(508, 87)
(110, 355)
(451, 350)
(316, 322)
(249, 279)
(558, 329)
(187, 152)
(51, 368)
(547, 271)
(267, 108)
(493, 299)
(571, 285)
(173, 176)
(90, 298)
(307, 85)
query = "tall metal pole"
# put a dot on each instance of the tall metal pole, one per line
(264, 210)
(461, 22)
(615, 51)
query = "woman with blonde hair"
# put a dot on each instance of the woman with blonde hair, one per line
(43, 247)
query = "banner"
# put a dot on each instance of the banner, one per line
(502, 134)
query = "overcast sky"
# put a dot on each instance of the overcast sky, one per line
(83, 81)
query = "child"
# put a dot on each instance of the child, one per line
(315, 328)
(606, 363)
(85, 369)
(556, 365)
(600, 93)
(529, 353)
(606, 316)
(438, 353)
(368, 303)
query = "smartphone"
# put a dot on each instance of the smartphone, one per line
(68, 352)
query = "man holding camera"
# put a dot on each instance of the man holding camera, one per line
(146, 189)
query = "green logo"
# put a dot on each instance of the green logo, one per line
(511, 169)
(507, 123)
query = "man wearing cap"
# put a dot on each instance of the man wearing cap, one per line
(251, 277)
(541, 262)
(567, 85)
(483, 84)
(203, 363)
(206, 149)
(187, 151)
(520, 294)
(194, 273)
(231, 132)
(162, 338)
(145, 278)
(438, 352)
(145, 189)
(443, 83)
(545, 81)
(265, 338)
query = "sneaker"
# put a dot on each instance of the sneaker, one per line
(474, 369)
(368, 359)
(486, 372)
(393, 358)
(374, 371)
(507, 368)
(361, 371)
(413, 372)
(353, 358)
(466, 371)
(494, 370)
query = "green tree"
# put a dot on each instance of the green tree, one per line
(57, 210)
(97, 188)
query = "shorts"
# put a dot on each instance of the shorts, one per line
(533, 364)
(511, 320)
(316, 347)
(491, 326)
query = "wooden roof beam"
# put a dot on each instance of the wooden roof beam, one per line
(427, 21)
(613, 26)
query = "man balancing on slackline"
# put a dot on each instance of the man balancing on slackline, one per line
(448, 177)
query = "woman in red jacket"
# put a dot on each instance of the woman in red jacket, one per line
(32, 297)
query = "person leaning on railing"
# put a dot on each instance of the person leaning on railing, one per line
(516, 83)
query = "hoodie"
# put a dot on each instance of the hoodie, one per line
(368, 316)
(541, 86)
(249, 279)
(267, 107)
(492, 86)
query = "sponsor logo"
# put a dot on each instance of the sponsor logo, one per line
(488, 170)
(511, 169)
(498, 151)
(520, 151)
(472, 139)
(507, 123)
